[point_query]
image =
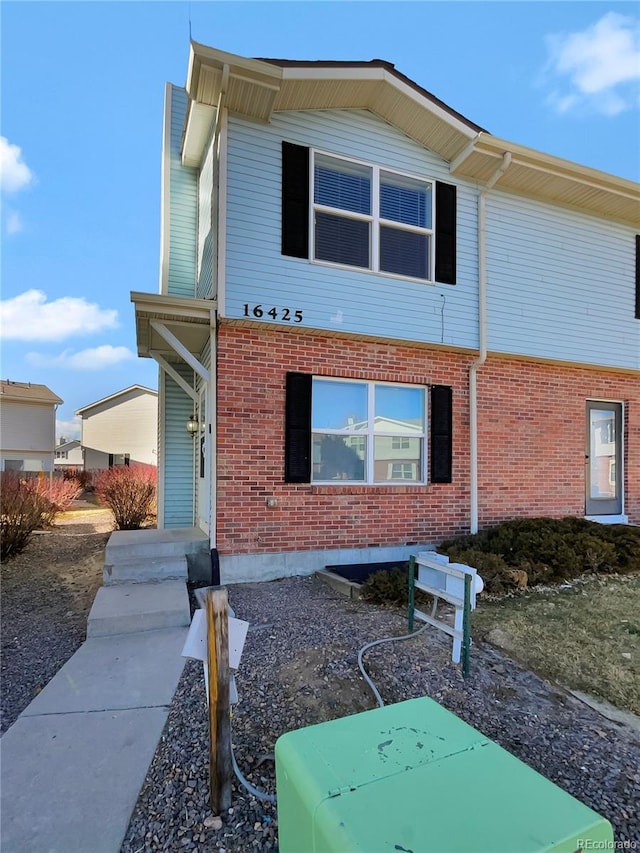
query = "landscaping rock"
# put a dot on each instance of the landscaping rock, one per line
(299, 667)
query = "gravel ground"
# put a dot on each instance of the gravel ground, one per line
(300, 667)
(47, 592)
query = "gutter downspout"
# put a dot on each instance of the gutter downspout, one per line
(212, 395)
(482, 337)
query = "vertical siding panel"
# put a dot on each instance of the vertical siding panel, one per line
(178, 453)
(183, 206)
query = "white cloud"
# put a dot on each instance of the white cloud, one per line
(68, 429)
(14, 222)
(14, 172)
(95, 358)
(597, 68)
(29, 317)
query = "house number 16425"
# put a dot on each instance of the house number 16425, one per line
(287, 315)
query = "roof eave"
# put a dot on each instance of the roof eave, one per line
(552, 179)
(257, 88)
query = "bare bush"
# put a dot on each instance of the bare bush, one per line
(21, 508)
(58, 494)
(130, 493)
(28, 502)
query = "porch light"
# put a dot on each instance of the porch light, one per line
(193, 425)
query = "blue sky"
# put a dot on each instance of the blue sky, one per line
(81, 110)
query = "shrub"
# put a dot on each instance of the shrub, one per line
(546, 550)
(386, 587)
(391, 587)
(28, 502)
(57, 494)
(21, 508)
(85, 478)
(130, 493)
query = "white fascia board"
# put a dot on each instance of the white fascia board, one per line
(383, 75)
(188, 306)
(200, 119)
(492, 145)
(115, 396)
(202, 54)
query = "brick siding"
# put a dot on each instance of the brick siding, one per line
(531, 443)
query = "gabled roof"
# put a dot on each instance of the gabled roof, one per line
(113, 398)
(71, 444)
(28, 392)
(256, 88)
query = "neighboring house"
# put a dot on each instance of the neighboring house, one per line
(68, 455)
(121, 429)
(391, 326)
(27, 426)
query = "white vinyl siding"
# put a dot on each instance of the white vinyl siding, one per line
(560, 284)
(125, 424)
(178, 463)
(27, 432)
(339, 299)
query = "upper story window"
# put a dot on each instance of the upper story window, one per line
(368, 217)
(348, 213)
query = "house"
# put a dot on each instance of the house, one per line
(68, 455)
(382, 324)
(27, 426)
(120, 429)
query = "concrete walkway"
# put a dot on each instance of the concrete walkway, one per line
(74, 761)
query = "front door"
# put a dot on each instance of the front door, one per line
(604, 458)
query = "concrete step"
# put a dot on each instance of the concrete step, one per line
(127, 546)
(145, 570)
(129, 608)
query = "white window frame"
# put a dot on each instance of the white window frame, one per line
(371, 433)
(374, 219)
(402, 442)
(403, 466)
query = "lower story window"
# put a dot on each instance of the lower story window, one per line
(116, 459)
(32, 465)
(367, 432)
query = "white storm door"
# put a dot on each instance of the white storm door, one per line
(603, 458)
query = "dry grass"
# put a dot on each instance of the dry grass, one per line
(81, 513)
(586, 638)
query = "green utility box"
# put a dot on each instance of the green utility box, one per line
(413, 777)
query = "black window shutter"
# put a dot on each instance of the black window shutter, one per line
(297, 429)
(111, 460)
(446, 204)
(637, 276)
(295, 200)
(441, 421)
